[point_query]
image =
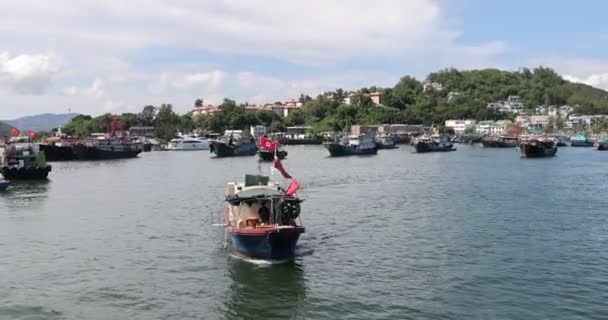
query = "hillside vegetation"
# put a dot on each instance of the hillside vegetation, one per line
(406, 102)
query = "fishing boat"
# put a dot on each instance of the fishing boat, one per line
(602, 144)
(503, 141)
(427, 143)
(560, 140)
(262, 221)
(580, 140)
(108, 147)
(188, 143)
(233, 147)
(58, 147)
(386, 141)
(352, 145)
(21, 159)
(537, 147)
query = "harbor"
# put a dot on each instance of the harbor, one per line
(105, 236)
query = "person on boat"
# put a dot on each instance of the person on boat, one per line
(264, 213)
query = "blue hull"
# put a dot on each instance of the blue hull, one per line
(4, 184)
(276, 245)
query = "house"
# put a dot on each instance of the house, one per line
(513, 104)
(453, 95)
(431, 86)
(492, 128)
(376, 97)
(562, 111)
(533, 122)
(460, 126)
(209, 109)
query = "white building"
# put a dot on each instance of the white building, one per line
(431, 86)
(460, 126)
(513, 104)
(533, 122)
(452, 95)
(554, 111)
(492, 128)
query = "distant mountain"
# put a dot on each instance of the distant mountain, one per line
(41, 122)
(5, 129)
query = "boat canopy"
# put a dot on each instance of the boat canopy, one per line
(258, 193)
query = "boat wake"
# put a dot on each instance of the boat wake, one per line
(259, 262)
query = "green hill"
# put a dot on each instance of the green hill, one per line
(5, 129)
(457, 94)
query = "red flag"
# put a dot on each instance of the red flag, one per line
(15, 132)
(32, 134)
(279, 166)
(267, 143)
(292, 188)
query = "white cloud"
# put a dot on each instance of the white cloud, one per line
(27, 74)
(593, 72)
(107, 48)
(598, 80)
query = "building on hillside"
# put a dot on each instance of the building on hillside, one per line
(554, 111)
(209, 109)
(533, 122)
(431, 86)
(492, 127)
(460, 126)
(513, 104)
(376, 97)
(453, 95)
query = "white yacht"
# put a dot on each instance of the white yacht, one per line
(185, 143)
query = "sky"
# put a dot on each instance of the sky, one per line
(98, 56)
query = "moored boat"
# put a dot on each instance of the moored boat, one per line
(386, 141)
(602, 144)
(425, 144)
(351, 146)
(108, 147)
(58, 147)
(580, 140)
(188, 143)
(21, 159)
(262, 221)
(502, 141)
(233, 147)
(537, 147)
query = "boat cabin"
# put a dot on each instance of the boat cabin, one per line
(257, 203)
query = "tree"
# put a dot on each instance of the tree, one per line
(167, 122)
(198, 102)
(277, 126)
(130, 120)
(147, 115)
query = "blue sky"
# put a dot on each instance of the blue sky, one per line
(116, 56)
